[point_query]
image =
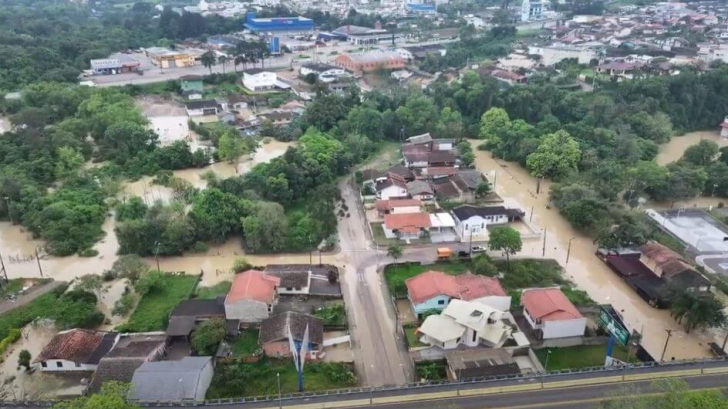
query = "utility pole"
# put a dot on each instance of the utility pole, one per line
(280, 399)
(722, 348)
(568, 251)
(38, 260)
(543, 250)
(5, 272)
(669, 334)
(10, 215)
(156, 255)
(320, 263)
(530, 218)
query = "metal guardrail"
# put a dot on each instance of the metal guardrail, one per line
(370, 392)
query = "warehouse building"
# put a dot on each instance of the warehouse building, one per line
(117, 65)
(296, 24)
(371, 61)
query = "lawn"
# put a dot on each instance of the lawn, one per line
(413, 340)
(581, 356)
(210, 293)
(246, 343)
(259, 379)
(42, 307)
(15, 285)
(332, 315)
(396, 274)
(378, 235)
(153, 310)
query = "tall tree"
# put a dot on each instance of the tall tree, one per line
(394, 251)
(556, 156)
(208, 59)
(507, 240)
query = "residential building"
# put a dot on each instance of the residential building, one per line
(480, 363)
(279, 118)
(258, 79)
(293, 280)
(619, 69)
(370, 61)
(473, 220)
(420, 159)
(671, 267)
(129, 353)
(274, 333)
(466, 323)
(119, 64)
(406, 226)
(237, 101)
(433, 290)
(724, 128)
(551, 315)
(202, 108)
(172, 381)
(531, 10)
(75, 350)
(421, 190)
(398, 206)
(324, 72)
(251, 297)
(392, 188)
(187, 314)
(372, 177)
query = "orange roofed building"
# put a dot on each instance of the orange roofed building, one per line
(551, 315)
(252, 297)
(433, 290)
(406, 226)
(371, 61)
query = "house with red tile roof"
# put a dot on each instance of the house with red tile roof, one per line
(406, 226)
(551, 315)
(433, 290)
(76, 350)
(398, 206)
(252, 297)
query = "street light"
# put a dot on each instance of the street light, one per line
(156, 255)
(568, 251)
(280, 399)
(546, 365)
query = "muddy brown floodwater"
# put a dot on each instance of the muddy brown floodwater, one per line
(18, 247)
(584, 268)
(673, 150)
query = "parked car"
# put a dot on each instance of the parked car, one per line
(479, 249)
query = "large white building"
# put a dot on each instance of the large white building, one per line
(258, 79)
(531, 10)
(553, 54)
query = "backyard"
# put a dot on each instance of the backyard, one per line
(246, 343)
(581, 356)
(413, 341)
(210, 293)
(259, 379)
(332, 315)
(152, 312)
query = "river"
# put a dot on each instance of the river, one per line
(584, 268)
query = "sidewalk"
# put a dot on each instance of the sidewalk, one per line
(31, 295)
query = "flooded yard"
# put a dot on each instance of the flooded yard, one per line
(584, 268)
(673, 150)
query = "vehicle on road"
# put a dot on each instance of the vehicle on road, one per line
(478, 249)
(444, 253)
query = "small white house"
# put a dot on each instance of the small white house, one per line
(293, 282)
(466, 323)
(391, 189)
(551, 315)
(257, 79)
(472, 220)
(76, 350)
(202, 108)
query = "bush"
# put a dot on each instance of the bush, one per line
(13, 335)
(483, 265)
(332, 315)
(207, 336)
(77, 309)
(124, 305)
(199, 247)
(150, 282)
(24, 359)
(88, 253)
(241, 264)
(337, 372)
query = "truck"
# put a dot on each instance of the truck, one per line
(444, 253)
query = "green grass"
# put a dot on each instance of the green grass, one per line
(526, 273)
(581, 356)
(379, 237)
(42, 307)
(246, 343)
(332, 315)
(396, 274)
(15, 285)
(259, 379)
(413, 340)
(210, 293)
(153, 310)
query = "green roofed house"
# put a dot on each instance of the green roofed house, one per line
(191, 83)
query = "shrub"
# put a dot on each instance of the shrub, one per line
(24, 359)
(483, 265)
(199, 247)
(149, 282)
(13, 335)
(124, 305)
(88, 253)
(241, 264)
(207, 336)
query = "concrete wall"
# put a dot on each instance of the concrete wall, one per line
(247, 311)
(66, 366)
(564, 329)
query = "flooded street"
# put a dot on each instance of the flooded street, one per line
(584, 268)
(673, 150)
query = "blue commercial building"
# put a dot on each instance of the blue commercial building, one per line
(278, 24)
(421, 8)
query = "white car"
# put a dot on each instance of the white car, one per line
(479, 249)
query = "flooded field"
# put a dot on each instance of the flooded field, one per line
(673, 150)
(584, 268)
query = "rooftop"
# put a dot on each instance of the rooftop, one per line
(168, 380)
(78, 345)
(276, 328)
(466, 286)
(253, 285)
(407, 222)
(549, 304)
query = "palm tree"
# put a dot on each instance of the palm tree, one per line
(208, 60)
(223, 59)
(394, 251)
(697, 310)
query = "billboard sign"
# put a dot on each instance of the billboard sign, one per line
(613, 325)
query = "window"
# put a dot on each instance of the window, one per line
(59, 364)
(78, 364)
(475, 336)
(441, 302)
(44, 364)
(289, 288)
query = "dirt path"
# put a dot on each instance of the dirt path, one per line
(584, 268)
(31, 295)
